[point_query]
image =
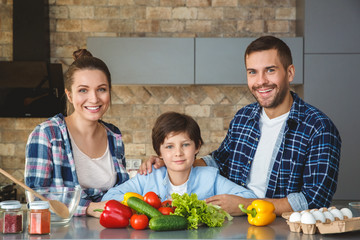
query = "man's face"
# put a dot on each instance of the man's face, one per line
(267, 79)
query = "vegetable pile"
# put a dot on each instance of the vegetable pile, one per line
(137, 210)
(197, 212)
(183, 212)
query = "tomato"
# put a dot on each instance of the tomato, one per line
(139, 221)
(152, 199)
(166, 203)
(166, 210)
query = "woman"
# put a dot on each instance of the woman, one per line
(71, 151)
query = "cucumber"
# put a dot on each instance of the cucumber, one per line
(168, 223)
(143, 207)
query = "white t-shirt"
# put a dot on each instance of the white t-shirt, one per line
(181, 189)
(94, 172)
(269, 129)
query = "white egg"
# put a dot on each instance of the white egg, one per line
(313, 210)
(322, 209)
(346, 212)
(329, 216)
(304, 211)
(295, 217)
(337, 213)
(319, 216)
(307, 218)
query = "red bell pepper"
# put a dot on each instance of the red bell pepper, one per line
(115, 215)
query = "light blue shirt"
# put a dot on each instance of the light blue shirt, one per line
(204, 181)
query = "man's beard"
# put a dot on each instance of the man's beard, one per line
(279, 98)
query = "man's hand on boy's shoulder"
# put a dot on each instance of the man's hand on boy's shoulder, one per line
(146, 167)
(199, 162)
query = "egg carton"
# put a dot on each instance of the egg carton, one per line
(337, 226)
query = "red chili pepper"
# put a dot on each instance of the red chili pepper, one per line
(115, 215)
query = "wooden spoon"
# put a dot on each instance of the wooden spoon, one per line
(56, 206)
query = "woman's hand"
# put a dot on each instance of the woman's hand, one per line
(146, 167)
(95, 205)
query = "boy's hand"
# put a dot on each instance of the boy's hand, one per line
(146, 167)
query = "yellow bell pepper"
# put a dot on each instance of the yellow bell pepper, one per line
(131, 194)
(260, 212)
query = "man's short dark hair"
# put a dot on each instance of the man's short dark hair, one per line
(271, 42)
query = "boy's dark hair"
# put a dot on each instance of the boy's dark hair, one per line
(271, 42)
(173, 122)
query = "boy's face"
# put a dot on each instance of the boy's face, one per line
(178, 152)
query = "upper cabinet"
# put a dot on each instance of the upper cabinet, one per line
(146, 60)
(221, 60)
(332, 26)
(155, 61)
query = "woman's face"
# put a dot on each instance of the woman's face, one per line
(90, 94)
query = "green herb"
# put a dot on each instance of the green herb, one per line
(197, 211)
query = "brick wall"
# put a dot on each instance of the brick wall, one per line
(135, 108)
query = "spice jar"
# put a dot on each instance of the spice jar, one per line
(39, 217)
(11, 220)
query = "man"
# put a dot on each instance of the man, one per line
(280, 147)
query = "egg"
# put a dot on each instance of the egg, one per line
(329, 216)
(337, 213)
(313, 210)
(304, 211)
(346, 212)
(295, 217)
(319, 216)
(307, 218)
(323, 209)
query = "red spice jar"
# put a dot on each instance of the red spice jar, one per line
(39, 217)
(11, 219)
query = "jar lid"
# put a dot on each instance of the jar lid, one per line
(11, 204)
(39, 205)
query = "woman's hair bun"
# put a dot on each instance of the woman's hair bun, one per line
(81, 53)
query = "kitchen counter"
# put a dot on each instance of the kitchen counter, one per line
(239, 228)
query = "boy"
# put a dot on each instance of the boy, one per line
(177, 140)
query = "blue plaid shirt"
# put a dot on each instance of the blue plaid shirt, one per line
(305, 168)
(50, 162)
